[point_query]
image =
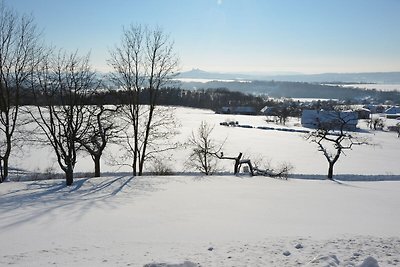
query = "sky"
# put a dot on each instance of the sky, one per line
(240, 36)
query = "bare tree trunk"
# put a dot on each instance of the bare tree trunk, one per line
(206, 167)
(237, 163)
(5, 169)
(5, 159)
(134, 164)
(140, 173)
(330, 170)
(96, 160)
(135, 123)
(69, 175)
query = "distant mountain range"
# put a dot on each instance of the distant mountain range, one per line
(367, 77)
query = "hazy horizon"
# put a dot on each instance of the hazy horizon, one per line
(235, 36)
(284, 73)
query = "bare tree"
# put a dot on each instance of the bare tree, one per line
(205, 150)
(60, 86)
(143, 63)
(283, 112)
(333, 139)
(375, 123)
(19, 44)
(160, 141)
(99, 129)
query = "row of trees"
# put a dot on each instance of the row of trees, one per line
(61, 84)
(212, 99)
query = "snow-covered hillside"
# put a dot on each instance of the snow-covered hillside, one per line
(203, 221)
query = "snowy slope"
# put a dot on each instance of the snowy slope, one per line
(212, 221)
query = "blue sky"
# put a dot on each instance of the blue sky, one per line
(308, 36)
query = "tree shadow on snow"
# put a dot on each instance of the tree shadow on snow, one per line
(43, 198)
(349, 177)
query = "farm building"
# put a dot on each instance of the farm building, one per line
(330, 119)
(393, 112)
(363, 113)
(375, 108)
(268, 111)
(243, 110)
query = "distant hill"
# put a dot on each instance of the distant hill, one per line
(367, 77)
(201, 74)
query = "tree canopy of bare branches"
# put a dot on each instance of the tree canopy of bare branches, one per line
(333, 139)
(205, 150)
(99, 128)
(144, 62)
(62, 82)
(19, 45)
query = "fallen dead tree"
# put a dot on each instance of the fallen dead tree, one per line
(281, 172)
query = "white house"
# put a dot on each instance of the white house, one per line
(331, 119)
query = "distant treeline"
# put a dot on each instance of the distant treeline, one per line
(213, 99)
(203, 98)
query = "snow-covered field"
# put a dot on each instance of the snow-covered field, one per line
(268, 145)
(208, 221)
(190, 220)
(381, 87)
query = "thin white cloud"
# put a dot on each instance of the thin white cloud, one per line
(219, 2)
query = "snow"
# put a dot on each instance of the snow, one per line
(381, 87)
(191, 220)
(121, 221)
(276, 146)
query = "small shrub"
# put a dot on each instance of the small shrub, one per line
(160, 168)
